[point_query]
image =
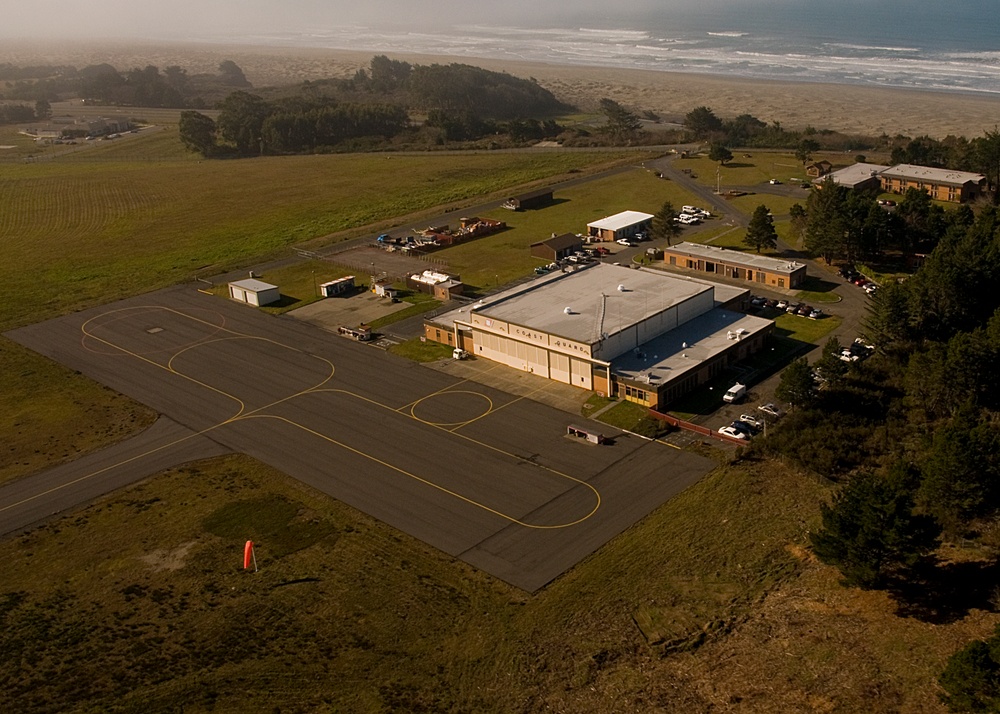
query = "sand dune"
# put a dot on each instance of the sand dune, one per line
(852, 109)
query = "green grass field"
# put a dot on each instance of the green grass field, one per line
(778, 205)
(500, 258)
(78, 233)
(757, 169)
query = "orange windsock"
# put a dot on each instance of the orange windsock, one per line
(247, 554)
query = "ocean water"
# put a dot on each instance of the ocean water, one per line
(945, 45)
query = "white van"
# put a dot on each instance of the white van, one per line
(735, 393)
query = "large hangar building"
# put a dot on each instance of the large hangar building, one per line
(640, 334)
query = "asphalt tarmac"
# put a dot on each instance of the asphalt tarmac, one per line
(488, 477)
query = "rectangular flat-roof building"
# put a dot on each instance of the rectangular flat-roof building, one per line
(254, 292)
(941, 184)
(645, 335)
(856, 176)
(737, 265)
(621, 225)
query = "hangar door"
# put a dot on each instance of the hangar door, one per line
(581, 373)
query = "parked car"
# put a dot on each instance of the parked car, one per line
(752, 421)
(870, 288)
(771, 410)
(774, 182)
(757, 300)
(816, 314)
(793, 307)
(781, 304)
(771, 303)
(625, 241)
(743, 427)
(804, 310)
(601, 250)
(731, 432)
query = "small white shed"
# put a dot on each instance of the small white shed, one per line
(254, 292)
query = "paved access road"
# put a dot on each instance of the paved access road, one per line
(480, 474)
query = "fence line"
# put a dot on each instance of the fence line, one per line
(696, 428)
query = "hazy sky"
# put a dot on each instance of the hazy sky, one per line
(177, 18)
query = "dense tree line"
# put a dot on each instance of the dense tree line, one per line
(747, 131)
(913, 434)
(461, 104)
(460, 88)
(136, 87)
(849, 225)
(15, 113)
(457, 91)
(250, 125)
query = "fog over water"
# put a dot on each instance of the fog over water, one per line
(925, 44)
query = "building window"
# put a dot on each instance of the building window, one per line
(635, 394)
(673, 260)
(749, 275)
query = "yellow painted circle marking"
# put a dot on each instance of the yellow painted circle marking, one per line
(446, 393)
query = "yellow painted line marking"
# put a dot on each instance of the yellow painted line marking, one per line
(424, 481)
(483, 444)
(256, 414)
(439, 393)
(432, 394)
(109, 468)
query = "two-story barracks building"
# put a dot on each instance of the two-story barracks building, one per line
(643, 335)
(737, 265)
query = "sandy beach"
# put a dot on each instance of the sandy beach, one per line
(846, 108)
